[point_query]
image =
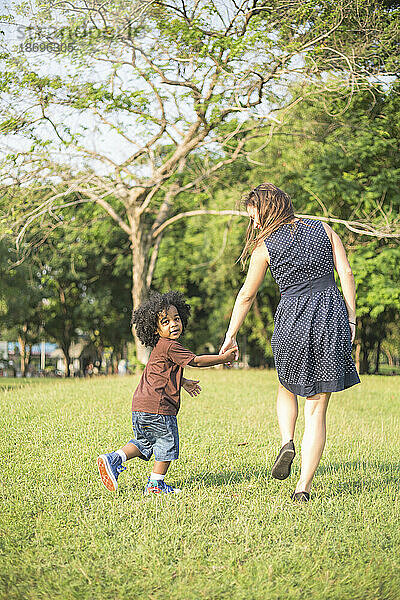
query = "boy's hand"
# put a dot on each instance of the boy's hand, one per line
(191, 386)
(231, 354)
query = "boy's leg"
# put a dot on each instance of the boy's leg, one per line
(131, 451)
(155, 484)
(161, 467)
(159, 471)
(166, 449)
(111, 465)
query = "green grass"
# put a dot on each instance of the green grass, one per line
(233, 533)
(8, 383)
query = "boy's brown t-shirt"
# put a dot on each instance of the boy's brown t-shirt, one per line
(159, 388)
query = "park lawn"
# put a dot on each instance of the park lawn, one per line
(233, 533)
(8, 383)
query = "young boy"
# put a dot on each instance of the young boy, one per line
(159, 323)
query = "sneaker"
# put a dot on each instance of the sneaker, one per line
(283, 463)
(159, 487)
(110, 466)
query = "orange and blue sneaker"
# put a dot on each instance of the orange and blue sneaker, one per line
(159, 487)
(110, 466)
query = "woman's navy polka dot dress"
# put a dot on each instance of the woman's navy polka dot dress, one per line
(312, 339)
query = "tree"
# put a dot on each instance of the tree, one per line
(70, 282)
(344, 164)
(198, 258)
(357, 174)
(178, 80)
(344, 167)
(20, 301)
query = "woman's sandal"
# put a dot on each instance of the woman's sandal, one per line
(300, 497)
(283, 462)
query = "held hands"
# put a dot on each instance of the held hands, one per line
(229, 355)
(191, 386)
(230, 343)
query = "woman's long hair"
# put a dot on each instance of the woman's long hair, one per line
(274, 208)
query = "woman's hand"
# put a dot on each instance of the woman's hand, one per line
(191, 386)
(229, 355)
(230, 342)
(353, 331)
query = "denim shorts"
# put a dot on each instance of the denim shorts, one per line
(156, 433)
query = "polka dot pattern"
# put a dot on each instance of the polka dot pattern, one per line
(311, 342)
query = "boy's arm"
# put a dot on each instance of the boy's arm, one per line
(209, 360)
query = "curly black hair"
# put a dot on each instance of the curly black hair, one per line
(145, 318)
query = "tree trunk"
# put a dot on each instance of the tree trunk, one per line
(139, 276)
(66, 341)
(378, 351)
(116, 356)
(28, 351)
(22, 355)
(258, 314)
(364, 360)
(67, 359)
(389, 357)
(142, 264)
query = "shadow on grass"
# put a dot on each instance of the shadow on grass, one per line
(360, 486)
(222, 478)
(211, 480)
(356, 466)
(358, 476)
(348, 478)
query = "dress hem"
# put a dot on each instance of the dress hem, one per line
(321, 387)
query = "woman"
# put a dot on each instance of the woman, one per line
(314, 327)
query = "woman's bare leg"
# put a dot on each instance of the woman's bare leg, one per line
(287, 411)
(314, 439)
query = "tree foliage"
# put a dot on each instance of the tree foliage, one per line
(148, 105)
(75, 283)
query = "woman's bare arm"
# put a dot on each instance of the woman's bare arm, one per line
(345, 273)
(257, 268)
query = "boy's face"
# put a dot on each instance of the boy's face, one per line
(169, 324)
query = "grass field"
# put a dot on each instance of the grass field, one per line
(233, 533)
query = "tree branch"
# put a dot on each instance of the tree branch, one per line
(355, 226)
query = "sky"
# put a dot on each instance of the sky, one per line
(96, 137)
